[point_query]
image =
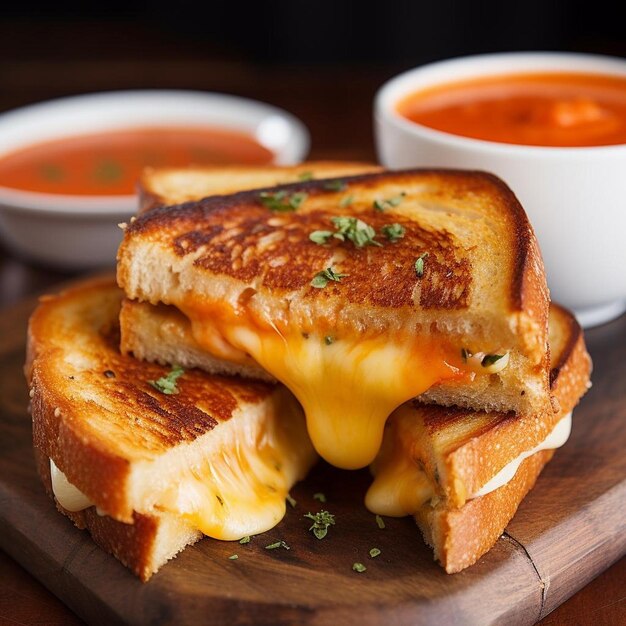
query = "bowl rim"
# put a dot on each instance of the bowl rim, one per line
(389, 94)
(86, 206)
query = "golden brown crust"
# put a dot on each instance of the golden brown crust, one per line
(74, 367)
(170, 185)
(461, 536)
(215, 229)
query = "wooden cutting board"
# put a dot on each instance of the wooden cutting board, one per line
(570, 528)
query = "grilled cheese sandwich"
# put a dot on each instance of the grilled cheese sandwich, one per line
(383, 332)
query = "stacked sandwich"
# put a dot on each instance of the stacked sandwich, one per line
(397, 320)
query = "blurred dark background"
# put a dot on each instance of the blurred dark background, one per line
(315, 58)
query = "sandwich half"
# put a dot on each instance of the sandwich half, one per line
(462, 474)
(150, 458)
(358, 293)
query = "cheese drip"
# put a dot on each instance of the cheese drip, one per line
(401, 486)
(347, 386)
(239, 487)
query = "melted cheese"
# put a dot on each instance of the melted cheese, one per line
(241, 490)
(557, 438)
(348, 387)
(238, 489)
(67, 495)
(401, 487)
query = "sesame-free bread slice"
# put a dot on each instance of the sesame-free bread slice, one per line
(162, 186)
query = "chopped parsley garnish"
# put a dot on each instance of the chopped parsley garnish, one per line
(320, 497)
(490, 359)
(359, 567)
(321, 279)
(245, 540)
(281, 201)
(291, 500)
(382, 205)
(329, 339)
(380, 522)
(419, 264)
(393, 232)
(233, 557)
(167, 384)
(347, 228)
(277, 544)
(304, 176)
(355, 230)
(346, 201)
(321, 522)
(374, 552)
(320, 237)
(335, 185)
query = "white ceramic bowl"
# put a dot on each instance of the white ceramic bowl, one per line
(575, 197)
(73, 231)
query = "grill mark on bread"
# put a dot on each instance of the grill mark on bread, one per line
(239, 237)
(203, 400)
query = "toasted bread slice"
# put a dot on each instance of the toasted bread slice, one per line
(390, 323)
(463, 473)
(218, 454)
(175, 185)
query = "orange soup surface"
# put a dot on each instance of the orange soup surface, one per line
(543, 109)
(110, 163)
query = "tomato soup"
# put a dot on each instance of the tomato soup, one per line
(110, 163)
(540, 109)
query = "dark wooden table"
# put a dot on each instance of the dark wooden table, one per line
(335, 103)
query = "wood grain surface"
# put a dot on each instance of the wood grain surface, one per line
(569, 528)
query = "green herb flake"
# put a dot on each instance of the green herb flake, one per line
(329, 339)
(108, 171)
(245, 540)
(419, 264)
(291, 501)
(320, 497)
(346, 201)
(281, 201)
(393, 232)
(335, 185)
(320, 237)
(305, 176)
(52, 172)
(355, 230)
(321, 522)
(359, 567)
(167, 384)
(490, 359)
(380, 522)
(233, 557)
(277, 544)
(374, 552)
(388, 203)
(321, 279)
